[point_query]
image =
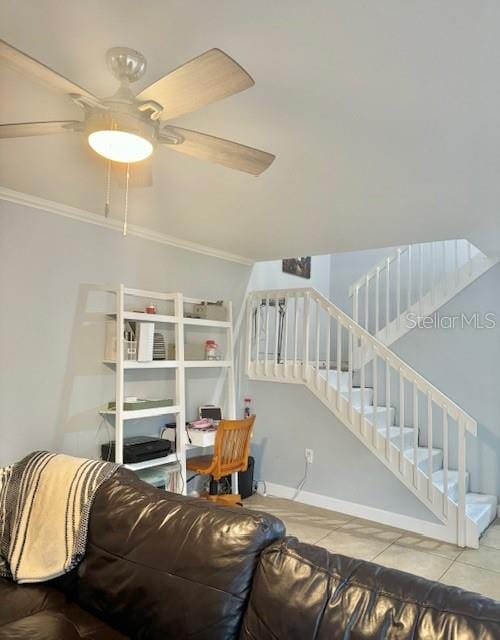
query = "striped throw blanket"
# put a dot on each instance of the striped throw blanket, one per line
(45, 502)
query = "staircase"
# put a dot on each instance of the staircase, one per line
(298, 336)
(413, 282)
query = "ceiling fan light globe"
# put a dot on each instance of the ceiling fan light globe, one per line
(120, 146)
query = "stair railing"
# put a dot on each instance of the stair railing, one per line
(410, 279)
(299, 336)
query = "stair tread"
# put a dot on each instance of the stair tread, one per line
(394, 429)
(422, 453)
(481, 508)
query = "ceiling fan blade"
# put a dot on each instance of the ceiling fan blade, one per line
(230, 154)
(141, 173)
(29, 66)
(24, 129)
(210, 77)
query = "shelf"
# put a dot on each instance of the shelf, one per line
(137, 316)
(206, 363)
(156, 462)
(152, 364)
(200, 322)
(137, 414)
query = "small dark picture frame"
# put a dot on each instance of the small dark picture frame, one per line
(300, 267)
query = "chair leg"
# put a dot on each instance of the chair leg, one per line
(214, 487)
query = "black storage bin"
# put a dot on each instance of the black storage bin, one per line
(245, 479)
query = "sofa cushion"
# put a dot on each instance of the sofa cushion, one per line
(18, 601)
(160, 565)
(301, 591)
(67, 623)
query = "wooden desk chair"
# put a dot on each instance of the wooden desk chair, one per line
(231, 450)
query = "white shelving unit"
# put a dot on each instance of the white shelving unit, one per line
(177, 320)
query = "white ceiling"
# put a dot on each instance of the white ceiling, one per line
(384, 117)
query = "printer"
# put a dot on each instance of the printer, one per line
(138, 449)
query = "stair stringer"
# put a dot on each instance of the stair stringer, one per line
(413, 478)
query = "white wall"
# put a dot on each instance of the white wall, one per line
(52, 380)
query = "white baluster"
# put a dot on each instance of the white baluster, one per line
(410, 274)
(249, 325)
(375, 396)
(307, 319)
(433, 275)
(296, 334)
(401, 418)
(276, 333)
(429, 445)
(284, 355)
(355, 304)
(257, 334)
(420, 279)
(377, 300)
(387, 410)
(328, 347)
(367, 302)
(266, 356)
(362, 383)
(398, 287)
(445, 461)
(349, 369)
(339, 359)
(415, 434)
(461, 537)
(387, 294)
(318, 333)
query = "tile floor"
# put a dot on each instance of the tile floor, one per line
(473, 569)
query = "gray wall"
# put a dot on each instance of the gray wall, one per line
(52, 380)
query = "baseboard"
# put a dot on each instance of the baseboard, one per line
(389, 518)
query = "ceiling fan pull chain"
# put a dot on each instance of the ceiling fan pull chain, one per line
(125, 216)
(108, 190)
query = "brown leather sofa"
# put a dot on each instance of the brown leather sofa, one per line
(162, 566)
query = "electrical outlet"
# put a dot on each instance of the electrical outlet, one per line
(309, 455)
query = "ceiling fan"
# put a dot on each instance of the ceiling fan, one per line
(127, 128)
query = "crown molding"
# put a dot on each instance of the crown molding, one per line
(80, 215)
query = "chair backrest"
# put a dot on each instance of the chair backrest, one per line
(232, 446)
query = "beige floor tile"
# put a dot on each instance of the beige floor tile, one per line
(289, 510)
(491, 537)
(373, 530)
(305, 532)
(484, 557)
(421, 543)
(473, 579)
(419, 563)
(349, 544)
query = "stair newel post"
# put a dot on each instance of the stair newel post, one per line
(375, 396)
(461, 537)
(398, 287)
(429, 446)
(339, 358)
(328, 330)
(349, 369)
(306, 329)
(266, 339)
(367, 301)
(284, 356)
(318, 340)
(377, 300)
(295, 334)
(410, 275)
(401, 418)
(415, 435)
(387, 410)
(362, 384)
(445, 461)
(277, 344)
